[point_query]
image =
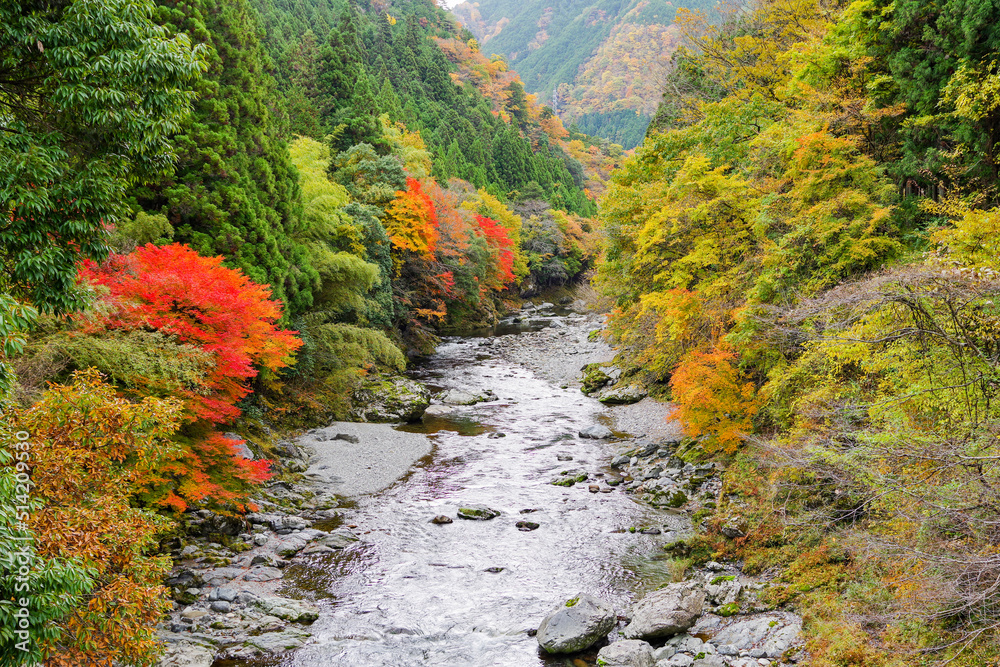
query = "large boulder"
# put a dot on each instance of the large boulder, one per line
(576, 624)
(627, 653)
(294, 611)
(390, 399)
(773, 634)
(596, 432)
(666, 612)
(622, 395)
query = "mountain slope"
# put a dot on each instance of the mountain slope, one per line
(597, 63)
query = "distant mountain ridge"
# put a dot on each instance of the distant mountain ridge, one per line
(597, 64)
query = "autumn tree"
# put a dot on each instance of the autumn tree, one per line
(91, 453)
(198, 302)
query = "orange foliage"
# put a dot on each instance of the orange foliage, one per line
(411, 220)
(91, 451)
(713, 399)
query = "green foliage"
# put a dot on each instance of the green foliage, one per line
(235, 192)
(147, 363)
(368, 67)
(91, 94)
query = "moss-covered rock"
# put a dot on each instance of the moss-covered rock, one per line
(390, 399)
(594, 378)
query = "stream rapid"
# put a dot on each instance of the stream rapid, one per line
(412, 592)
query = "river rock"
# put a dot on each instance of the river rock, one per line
(263, 574)
(772, 633)
(339, 539)
(276, 642)
(458, 397)
(477, 513)
(294, 611)
(596, 432)
(390, 399)
(626, 653)
(438, 410)
(187, 654)
(576, 624)
(666, 612)
(441, 519)
(593, 379)
(622, 395)
(279, 521)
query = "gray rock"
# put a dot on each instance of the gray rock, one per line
(723, 590)
(619, 461)
(622, 395)
(294, 611)
(458, 397)
(263, 574)
(772, 633)
(390, 399)
(438, 410)
(596, 432)
(664, 653)
(187, 654)
(224, 593)
(276, 642)
(576, 624)
(477, 513)
(339, 539)
(221, 607)
(279, 521)
(666, 612)
(679, 660)
(627, 653)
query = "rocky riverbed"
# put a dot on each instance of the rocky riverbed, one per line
(560, 493)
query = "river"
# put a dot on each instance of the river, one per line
(413, 592)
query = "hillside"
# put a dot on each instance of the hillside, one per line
(599, 65)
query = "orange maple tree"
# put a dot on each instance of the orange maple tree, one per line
(713, 399)
(412, 222)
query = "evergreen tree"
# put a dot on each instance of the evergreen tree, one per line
(235, 192)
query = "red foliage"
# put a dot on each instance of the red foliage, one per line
(501, 245)
(174, 290)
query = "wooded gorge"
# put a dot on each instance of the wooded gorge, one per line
(223, 221)
(217, 212)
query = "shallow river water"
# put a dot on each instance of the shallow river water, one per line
(467, 593)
